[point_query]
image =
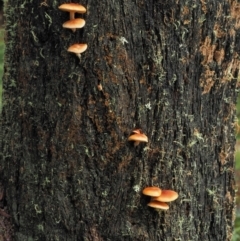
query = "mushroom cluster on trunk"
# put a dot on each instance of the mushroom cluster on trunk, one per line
(73, 24)
(159, 197)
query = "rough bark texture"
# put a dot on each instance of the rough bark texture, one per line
(167, 67)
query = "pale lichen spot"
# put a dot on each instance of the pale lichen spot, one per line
(148, 106)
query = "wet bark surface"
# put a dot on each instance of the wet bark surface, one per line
(168, 68)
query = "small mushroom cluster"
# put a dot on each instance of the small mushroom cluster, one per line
(159, 197)
(73, 24)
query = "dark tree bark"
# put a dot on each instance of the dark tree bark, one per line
(167, 67)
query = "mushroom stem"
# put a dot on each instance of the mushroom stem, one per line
(79, 56)
(72, 15)
(136, 143)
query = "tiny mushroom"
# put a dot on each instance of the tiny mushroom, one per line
(138, 137)
(74, 23)
(72, 8)
(137, 131)
(158, 205)
(99, 86)
(77, 49)
(166, 196)
(152, 191)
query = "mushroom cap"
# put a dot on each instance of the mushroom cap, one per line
(138, 137)
(137, 131)
(152, 191)
(166, 196)
(77, 48)
(74, 23)
(72, 7)
(157, 204)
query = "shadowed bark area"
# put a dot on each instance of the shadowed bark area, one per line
(167, 67)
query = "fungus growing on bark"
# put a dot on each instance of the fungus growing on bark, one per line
(99, 86)
(77, 49)
(137, 137)
(152, 191)
(158, 205)
(159, 197)
(72, 8)
(74, 23)
(166, 196)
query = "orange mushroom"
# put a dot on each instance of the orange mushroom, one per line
(77, 49)
(72, 8)
(74, 23)
(138, 137)
(158, 205)
(166, 196)
(152, 191)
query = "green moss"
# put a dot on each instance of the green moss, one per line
(238, 114)
(237, 158)
(236, 233)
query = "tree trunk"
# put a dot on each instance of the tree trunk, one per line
(169, 68)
